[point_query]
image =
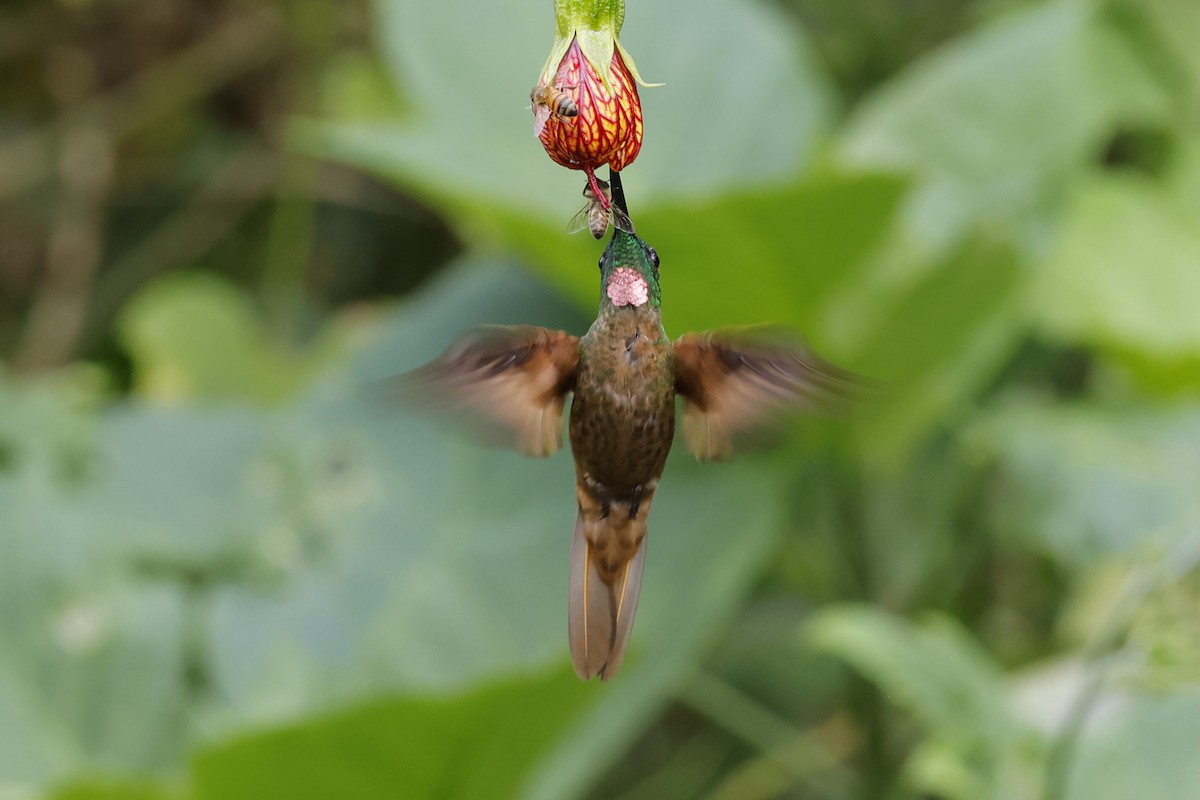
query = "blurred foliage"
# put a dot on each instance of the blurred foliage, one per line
(227, 569)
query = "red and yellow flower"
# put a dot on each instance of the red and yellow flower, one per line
(589, 64)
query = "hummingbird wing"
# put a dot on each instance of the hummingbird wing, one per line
(734, 381)
(608, 553)
(516, 377)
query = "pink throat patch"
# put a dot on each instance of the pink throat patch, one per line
(627, 287)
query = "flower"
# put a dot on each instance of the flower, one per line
(589, 65)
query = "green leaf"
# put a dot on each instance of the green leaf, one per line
(1172, 29)
(46, 425)
(1124, 273)
(942, 676)
(1087, 483)
(479, 744)
(196, 336)
(935, 670)
(184, 490)
(1148, 752)
(997, 122)
(91, 675)
(108, 788)
(933, 343)
(1182, 181)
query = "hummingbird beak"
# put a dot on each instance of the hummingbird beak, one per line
(618, 197)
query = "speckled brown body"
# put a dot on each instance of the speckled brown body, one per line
(623, 415)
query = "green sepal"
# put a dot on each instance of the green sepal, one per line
(595, 23)
(598, 15)
(557, 52)
(597, 47)
(632, 67)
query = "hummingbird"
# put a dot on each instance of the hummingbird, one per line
(623, 376)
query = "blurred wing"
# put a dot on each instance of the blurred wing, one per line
(514, 377)
(579, 221)
(735, 381)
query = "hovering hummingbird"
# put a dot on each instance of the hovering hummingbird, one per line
(624, 375)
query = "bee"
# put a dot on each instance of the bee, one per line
(548, 101)
(595, 217)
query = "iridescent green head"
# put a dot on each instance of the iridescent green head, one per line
(629, 273)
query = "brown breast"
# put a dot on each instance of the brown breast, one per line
(623, 414)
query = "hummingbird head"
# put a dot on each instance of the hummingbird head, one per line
(629, 273)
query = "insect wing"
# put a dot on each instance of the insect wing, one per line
(540, 115)
(580, 220)
(621, 220)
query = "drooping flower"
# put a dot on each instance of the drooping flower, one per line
(590, 67)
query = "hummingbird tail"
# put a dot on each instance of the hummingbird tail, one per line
(607, 556)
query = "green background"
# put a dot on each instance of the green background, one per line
(228, 569)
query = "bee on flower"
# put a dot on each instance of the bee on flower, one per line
(550, 102)
(588, 71)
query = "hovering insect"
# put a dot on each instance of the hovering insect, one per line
(549, 101)
(596, 217)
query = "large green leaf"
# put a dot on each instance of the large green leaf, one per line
(934, 343)
(185, 489)
(997, 122)
(105, 787)
(197, 336)
(1085, 484)
(1172, 28)
(91, 674)
(480, 744)
(1147, 751)
(1126, 272)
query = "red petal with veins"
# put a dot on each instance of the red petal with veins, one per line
(608, 129)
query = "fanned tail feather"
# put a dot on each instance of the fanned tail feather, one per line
(606, 580)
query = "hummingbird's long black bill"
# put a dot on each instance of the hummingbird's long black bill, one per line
(618, 196)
